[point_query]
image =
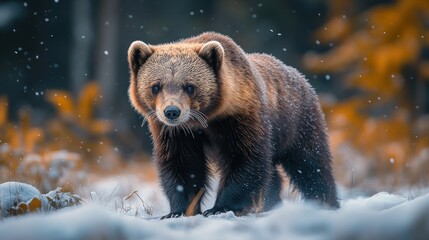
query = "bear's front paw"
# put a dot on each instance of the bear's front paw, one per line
(173, 215)
(215, 211)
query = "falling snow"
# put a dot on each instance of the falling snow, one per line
(179, 188)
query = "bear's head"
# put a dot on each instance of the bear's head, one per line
(175, 83)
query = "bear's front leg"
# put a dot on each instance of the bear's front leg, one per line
(182, 167)
(245, 167)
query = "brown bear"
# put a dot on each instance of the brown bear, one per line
(206, 100)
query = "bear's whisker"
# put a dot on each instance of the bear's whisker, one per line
(200, 118)
(201, 114)
(193, 117)
(184, 130)
(150, 115)
(189, 129)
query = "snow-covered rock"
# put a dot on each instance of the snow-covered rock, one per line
(58, 199)
(12, 194)
(18, 198)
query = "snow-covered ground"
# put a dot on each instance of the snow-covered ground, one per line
(114, 209)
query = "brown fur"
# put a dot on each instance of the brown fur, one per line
(260, 113)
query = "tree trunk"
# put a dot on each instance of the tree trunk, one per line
(106, 55)
(81, 44)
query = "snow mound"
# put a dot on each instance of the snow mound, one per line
(15, 195)
(18, 198)
(382, 216)
(379, 201)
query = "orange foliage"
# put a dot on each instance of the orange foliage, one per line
(25, 137)
(372, 49)
(77, 128)
(81, 111)
(3, 110)
(392, 37)
(44, 154)
(62, 102)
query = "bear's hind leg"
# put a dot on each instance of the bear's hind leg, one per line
(310, 172)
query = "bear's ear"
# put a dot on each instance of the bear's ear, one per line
(212, 52)
(138, 53)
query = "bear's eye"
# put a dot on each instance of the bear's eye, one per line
(189, 89)
(156, 88)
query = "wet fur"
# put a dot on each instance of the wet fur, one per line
(260, 113)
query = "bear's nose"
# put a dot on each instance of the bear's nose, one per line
(172, 112)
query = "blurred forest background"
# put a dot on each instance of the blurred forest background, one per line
(64, 110)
